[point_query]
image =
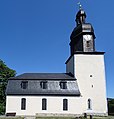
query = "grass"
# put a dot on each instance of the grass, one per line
(11, 118)
(109, 117)
(55, 118)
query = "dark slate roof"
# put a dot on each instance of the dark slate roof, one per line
(82, 28)
(34, 87)
(44, 76)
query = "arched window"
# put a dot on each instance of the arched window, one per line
(65, 104)
(89, 104)
(23, 104)
(44, 104)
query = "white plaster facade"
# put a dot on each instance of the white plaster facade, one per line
(34, 105)
(89, 70)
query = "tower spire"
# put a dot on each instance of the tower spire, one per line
(81, 15)
(82, 37)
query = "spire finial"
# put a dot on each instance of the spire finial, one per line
(81, 15)
(80, 6)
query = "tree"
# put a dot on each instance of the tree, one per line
(5, 73)
(111, 106)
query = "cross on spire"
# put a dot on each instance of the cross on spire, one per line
(80, 6)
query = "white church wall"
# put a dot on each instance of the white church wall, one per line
(90, 74)
(34, 105)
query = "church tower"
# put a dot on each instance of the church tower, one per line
(87, 66)
(82, 37)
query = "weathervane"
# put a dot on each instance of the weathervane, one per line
(80, 6)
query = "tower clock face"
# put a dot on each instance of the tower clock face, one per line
(87, 37)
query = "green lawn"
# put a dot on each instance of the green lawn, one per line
(11, 118)
(55, 118)
(109, 117)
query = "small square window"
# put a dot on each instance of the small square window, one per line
(63, 85)
(43, 84)
(88, 43)
(24, 84)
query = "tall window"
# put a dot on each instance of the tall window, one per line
(43, 84)
(44, 104)
(23, 104)
(63, 85)
(65, 104)
(89, 104)
(24, 84)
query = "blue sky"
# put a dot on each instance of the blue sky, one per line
(35, 34)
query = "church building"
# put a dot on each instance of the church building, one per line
(82, 89)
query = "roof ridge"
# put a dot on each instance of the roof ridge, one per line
(44, 76)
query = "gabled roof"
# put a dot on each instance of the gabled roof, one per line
(46, 76)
